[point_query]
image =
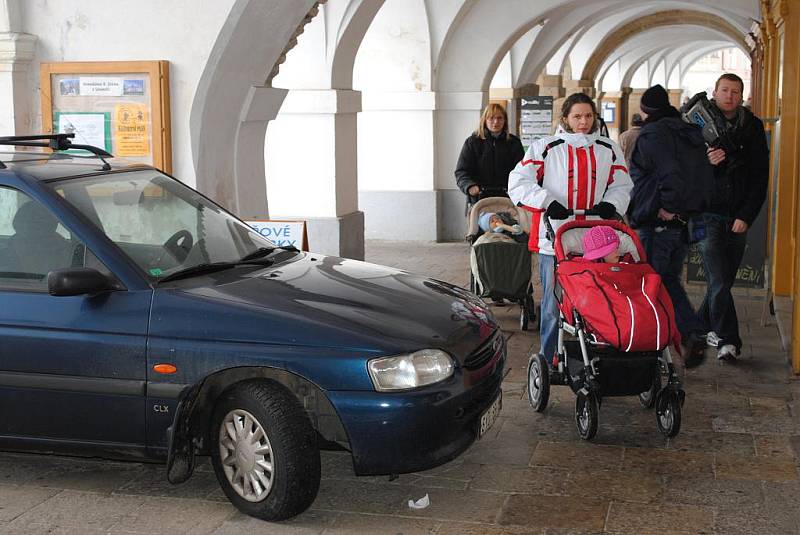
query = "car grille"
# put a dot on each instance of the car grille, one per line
(485, 351)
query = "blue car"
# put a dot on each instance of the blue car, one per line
(138, 319)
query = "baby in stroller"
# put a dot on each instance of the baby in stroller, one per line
(616, 323)
(500, 262)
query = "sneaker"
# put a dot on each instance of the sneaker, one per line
(712, 339)
(727, 352)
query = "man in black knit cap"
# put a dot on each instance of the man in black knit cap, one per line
(672, 179)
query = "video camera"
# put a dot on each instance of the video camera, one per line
(701, 112)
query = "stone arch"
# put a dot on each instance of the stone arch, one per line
(234, 100)
(676, 17)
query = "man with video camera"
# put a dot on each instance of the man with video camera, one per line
(741, 171)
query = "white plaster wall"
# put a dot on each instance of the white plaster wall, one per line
(503, 75)
(612, 79)
(395, 53)
(640, 77)
(92, 30)
(306, 66)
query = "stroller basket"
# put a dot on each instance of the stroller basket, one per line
(618, 373)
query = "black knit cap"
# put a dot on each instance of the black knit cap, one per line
(654, 99)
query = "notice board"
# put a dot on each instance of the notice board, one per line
(119, 106)
(535, 118)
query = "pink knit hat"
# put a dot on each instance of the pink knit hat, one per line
(599, 241)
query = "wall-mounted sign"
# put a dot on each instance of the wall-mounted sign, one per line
(535, 118)
(283, 233)
(609, 112)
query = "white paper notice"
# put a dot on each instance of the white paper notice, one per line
(100, 87)
(89, 128)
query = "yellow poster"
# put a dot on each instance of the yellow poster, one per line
(131, 130)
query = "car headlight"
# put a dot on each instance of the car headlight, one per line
(404, 372)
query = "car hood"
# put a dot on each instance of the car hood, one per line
(327, 302)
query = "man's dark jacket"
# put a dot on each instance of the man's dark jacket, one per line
(741, 180)
(487, 162)
(669, 169)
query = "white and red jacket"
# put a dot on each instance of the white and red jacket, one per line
(577, 170)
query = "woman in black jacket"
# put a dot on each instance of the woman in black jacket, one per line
(488, 156)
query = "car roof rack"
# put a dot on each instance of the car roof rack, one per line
(54, 142)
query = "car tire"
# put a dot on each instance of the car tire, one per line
(264, 451)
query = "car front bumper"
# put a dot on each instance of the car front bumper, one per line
(394, 433)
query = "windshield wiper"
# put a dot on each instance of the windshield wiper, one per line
(261, 252)
(199, 269)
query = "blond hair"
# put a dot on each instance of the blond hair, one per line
(489, 111)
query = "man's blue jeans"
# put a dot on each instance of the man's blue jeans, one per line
(666, 251)
(548, 320)
(722, 252)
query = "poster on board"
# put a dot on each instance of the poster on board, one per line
(282, 233)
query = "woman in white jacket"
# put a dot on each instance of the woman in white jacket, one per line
(574, 169)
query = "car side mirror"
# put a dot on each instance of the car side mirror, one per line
(80, 281)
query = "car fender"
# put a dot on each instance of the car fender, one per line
(189, 433)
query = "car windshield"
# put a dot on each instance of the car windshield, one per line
(164, 226)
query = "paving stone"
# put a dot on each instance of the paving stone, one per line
(656, 461)
(773, 446)
(15, 501)
(462, 528)
(73, 509)
(520, 480)
(578, 456)
(744, 520)
(533, 511)
(632, 487)
(47, 529)
(309, 523)
(362, 497)
(645, 519)
(463, 506)
(710, 442)
(705, 490)
(755, 468)
(152, 481)
(174, 516)
(346, 524)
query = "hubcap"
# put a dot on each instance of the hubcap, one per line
(535, 380)
(246, 455)
(583, 419)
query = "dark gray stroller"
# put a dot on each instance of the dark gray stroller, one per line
(500, 267)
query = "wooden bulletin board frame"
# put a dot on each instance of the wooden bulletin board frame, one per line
(145, 78)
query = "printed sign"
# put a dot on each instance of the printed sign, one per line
(131, 130)
(283, 233)
(89, 128)
(97, 86)
(536, 118)
(751, 270)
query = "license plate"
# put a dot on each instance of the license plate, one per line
(488, 417)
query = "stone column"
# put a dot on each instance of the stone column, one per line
(16, 53)
(675, 97)
(552, 85)
(624, 107)
(634, 101)
(311, 168)
(456, 117)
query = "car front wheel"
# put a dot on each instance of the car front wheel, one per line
(264, 452)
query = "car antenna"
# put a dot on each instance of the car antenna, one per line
(55, 142)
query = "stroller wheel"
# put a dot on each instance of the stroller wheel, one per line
(472, 286)
(523, 319)
(668, 412)
(648, 397)
(538, 382)
(587, 411)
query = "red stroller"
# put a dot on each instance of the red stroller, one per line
(615, 327)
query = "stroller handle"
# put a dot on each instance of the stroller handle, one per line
(550, 235)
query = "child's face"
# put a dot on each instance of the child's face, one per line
(612, 257)
(494, 221)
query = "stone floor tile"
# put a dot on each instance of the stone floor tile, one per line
(499, 452)
(709, 442)
(773, 446)
(520, 480)
(705, 490)
(755, 468)
(756, 520)
(152, 481)
(662, 461)
(73, 509)
(645, 519)
(578, 456)
(48, 529)
(174, 516)
(462, 528)
(569, 512)
(352, 524)
(309, 523)
(16, 500)
(632, 487)
(363, 497)
(463, 506)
